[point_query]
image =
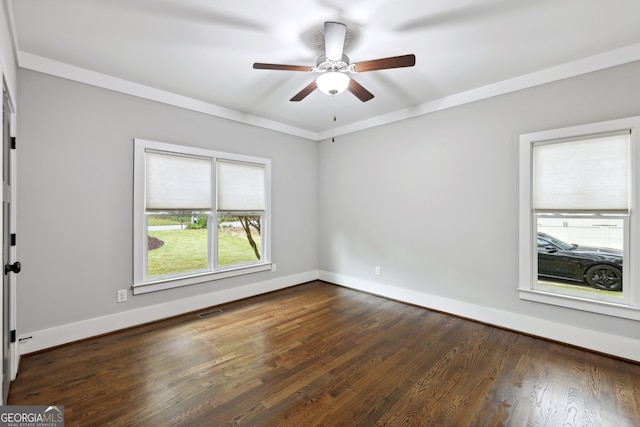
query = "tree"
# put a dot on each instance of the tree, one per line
(249, 222)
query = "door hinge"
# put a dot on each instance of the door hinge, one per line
(13, 142)
(13, 335)
(13, 239)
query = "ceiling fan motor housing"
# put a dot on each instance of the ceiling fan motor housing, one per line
(323, 64)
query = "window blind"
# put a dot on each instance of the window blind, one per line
(177, 182)
(587, 174)
(241, 186)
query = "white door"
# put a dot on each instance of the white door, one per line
(9, 268)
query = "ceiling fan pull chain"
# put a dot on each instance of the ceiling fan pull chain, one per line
(333, 130)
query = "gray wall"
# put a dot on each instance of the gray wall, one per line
(75, 196)
(434, 200)
(8, 66)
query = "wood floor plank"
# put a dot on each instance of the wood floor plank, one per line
(323, 355)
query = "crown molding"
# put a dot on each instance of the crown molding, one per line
(590, 64)
(571, 69)
(82, 75)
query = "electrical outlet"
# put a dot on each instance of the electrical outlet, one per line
(274, 267)
(122, 295)
(376, 270)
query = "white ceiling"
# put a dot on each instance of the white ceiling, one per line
(203, 50)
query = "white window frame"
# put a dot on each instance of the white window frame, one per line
(630, 307)
(143, 284)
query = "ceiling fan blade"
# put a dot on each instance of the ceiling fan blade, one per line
(334, 34)
(304, 92)
(386, 63)
(261, 66)
(359, 91)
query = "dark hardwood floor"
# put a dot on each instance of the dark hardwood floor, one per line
(319, 354)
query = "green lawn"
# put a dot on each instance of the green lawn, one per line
(186, 250)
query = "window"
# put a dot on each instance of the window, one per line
(199, 215)
(240, 208)
(578, 229)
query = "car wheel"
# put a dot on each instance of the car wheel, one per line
(604, 277)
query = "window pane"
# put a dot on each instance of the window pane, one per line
(175, 182)
(241, 187)
(582, 255)
(177, 243)
(238, 239)
(590, 174)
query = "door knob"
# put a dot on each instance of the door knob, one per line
(15, 267)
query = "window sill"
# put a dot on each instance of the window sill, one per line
(576, 303)
(160, 285)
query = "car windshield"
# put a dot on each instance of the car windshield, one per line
(559, 243)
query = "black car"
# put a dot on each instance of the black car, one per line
(600, 268)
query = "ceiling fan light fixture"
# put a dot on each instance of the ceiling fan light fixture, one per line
(332, 82)
(334, 66)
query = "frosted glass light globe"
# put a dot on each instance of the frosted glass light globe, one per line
(332, 82)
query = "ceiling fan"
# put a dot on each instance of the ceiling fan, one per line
(334, 65)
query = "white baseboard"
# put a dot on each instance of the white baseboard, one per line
(46, 338)
(606, 343)
(614, 345)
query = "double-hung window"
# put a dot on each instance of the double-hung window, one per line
(578, 231)
(199, 215)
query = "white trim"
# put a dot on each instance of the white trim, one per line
(141, 282)
(586, 338)
(527, 244)
(601, 61)
(577, 303)
(46, 338)
(146, 287)
(606, 343)
(571, 69)
(70, 72)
